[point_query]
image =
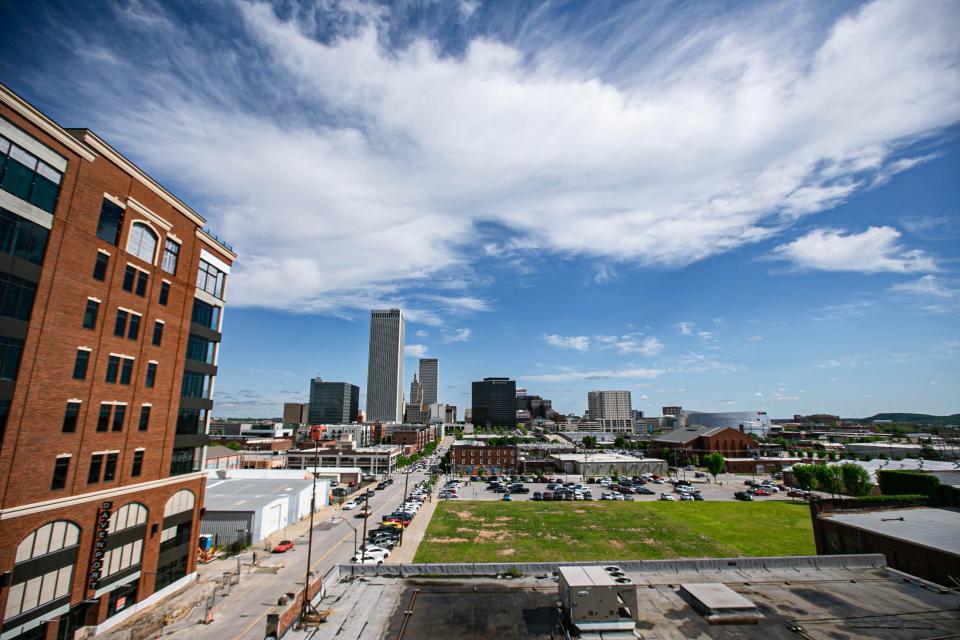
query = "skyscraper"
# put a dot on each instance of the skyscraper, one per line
(385, 367)
(333, 402)
(110, 332)
(416, 390)
(612, 410)
(429, 378)
(494, 402)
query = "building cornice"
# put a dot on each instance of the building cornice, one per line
(48, 126)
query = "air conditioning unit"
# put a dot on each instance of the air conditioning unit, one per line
(598, 601)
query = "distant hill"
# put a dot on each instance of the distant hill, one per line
(917, 418)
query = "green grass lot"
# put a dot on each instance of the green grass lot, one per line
(487, 531)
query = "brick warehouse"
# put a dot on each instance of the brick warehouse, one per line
(112, 295)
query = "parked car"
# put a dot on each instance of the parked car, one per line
(547, 495)
(761, 492)
(506, 498)
(363, 512)
(667, 497)
(520, 490)
(537, 495)
(743, 495)
(686, 496)
(698, 496)
(283, 546)
(646, 492)
(349, 506)
(381, 486)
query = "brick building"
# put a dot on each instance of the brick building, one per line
(415, 436)
(687, 443)
(112, 300)
(469, 456)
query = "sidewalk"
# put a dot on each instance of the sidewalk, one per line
(413, 535)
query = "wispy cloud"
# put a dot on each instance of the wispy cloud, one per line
(415, 350)
(875, 250)
(686, 132)
(685, 328)
(578, 343)
(459, 335)
(928, 285)
(842, 311)
(573, 374)
(631, 343)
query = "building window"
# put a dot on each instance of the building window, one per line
(126, 371)
(70, 417)
(111, 219)
(80, 364)
(16, 297)
(60, 469)
(195, 385)
(157, 332)
(142, 242)
(113, 366)
(27, 177)
(211, 279)
(164, 293)
(57, 543)
(151, 374)
(100, 266)
(96, 466)
(171, 253)
(206, 315)
(110, 468)
(200, 349)
(10, 350)
(183, 462)
(142, 279)
(21, 238)
(191, 421)
(90, 315)
(129, 276)
(137, 463)
(144, 417)
(134, 330)
(103, 420)
(119, 413)
(120, 326)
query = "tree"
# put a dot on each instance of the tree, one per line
(714, 462)
(804, 476)
(856, 480)
(590, 442)
(620, 442)
(829, 478)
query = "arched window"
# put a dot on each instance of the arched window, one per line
(142, 242)
(120, 557)
(179, 502)
(175, 541)
(43, 568)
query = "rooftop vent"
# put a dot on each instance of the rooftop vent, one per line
(719, 604)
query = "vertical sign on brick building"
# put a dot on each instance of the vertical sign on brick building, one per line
(99, 545)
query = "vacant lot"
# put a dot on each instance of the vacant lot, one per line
(473, 531)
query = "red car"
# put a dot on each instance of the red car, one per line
(283, 545)
(761, 492)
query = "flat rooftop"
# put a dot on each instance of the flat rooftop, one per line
(814, 598)
(601, 457)
(246, 494)
(932, 528)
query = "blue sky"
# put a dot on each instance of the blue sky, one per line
(728, 206)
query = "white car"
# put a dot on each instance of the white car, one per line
(367, 559)
(667, 497)
(373, 550)
(347, 506)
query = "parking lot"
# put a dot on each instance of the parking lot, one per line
(726, 486)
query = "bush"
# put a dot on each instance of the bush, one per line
(904, 482)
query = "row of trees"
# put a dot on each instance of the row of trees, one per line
(848, 478)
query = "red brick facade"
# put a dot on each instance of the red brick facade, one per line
(34, 436)
(470, 458)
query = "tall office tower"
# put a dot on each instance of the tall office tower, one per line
(295, 412)
(416, 391)
(611, 405)
(494, 402)
(385, 367)
(333, 402)
(112, 302)
(672, 411)
(429, 378)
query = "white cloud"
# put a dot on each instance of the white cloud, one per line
(605, 274)
(420, 333)
(685, 328)
(927, 285)
(459, 335)
(873, 251)
(415, 350)
(646, 346)
(580, 343)
(684, 136)
(571, 375)
(842, 311)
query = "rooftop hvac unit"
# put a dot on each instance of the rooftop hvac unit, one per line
(597, 602)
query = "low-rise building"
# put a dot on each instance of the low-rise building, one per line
(476, 457)
(607, 464)
(416, 436)
(220, 457)
(376, 459)
(686, 444)
(920, 541)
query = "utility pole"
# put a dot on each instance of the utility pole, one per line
(366, 514)
(406, 485)
(313, 507)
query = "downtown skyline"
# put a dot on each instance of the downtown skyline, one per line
(722, 207)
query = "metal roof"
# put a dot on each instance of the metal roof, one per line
(937, 529)
(684, 435)
(249, 494)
